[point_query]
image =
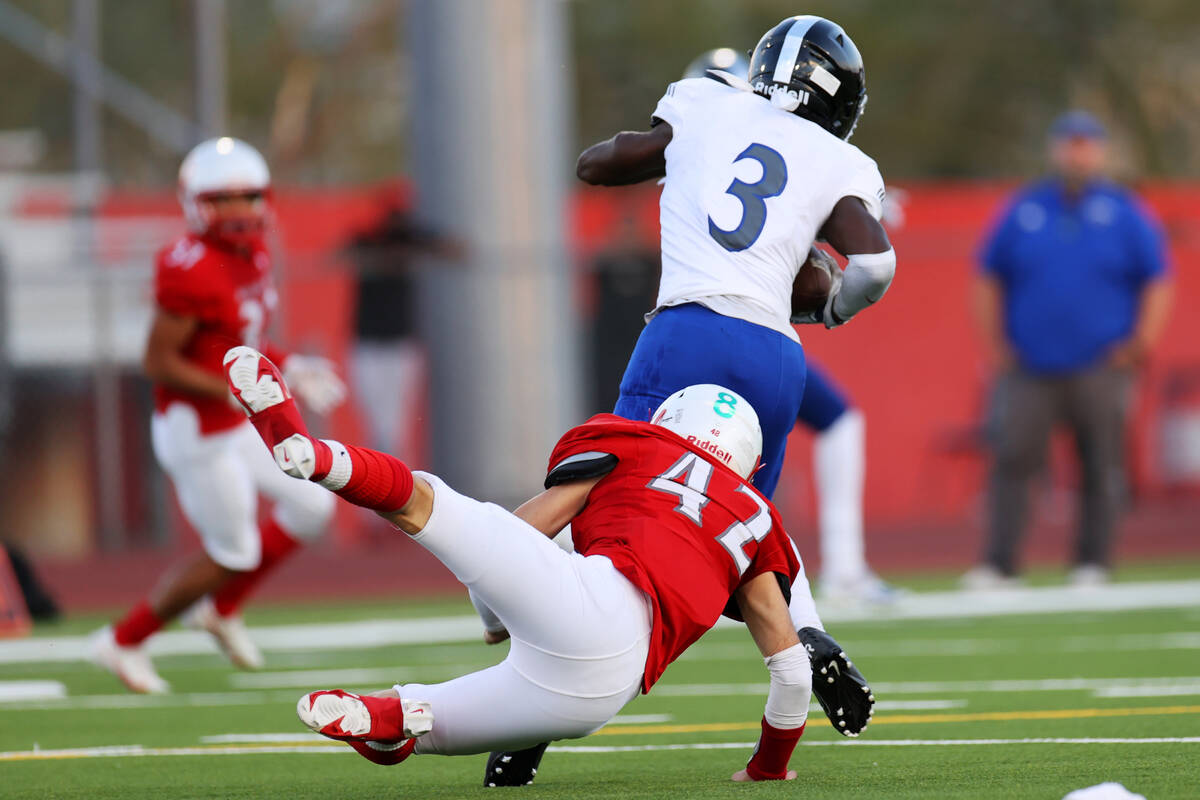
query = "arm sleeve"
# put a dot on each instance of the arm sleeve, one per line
(785, 714)
(581, 467)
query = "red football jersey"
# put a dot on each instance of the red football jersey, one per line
(231, 295)
(678, 523)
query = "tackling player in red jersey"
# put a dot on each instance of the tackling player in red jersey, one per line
(668, 535)
(213, 290)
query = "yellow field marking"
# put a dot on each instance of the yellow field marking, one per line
(901, 719)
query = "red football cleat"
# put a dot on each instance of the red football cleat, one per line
(350, 717)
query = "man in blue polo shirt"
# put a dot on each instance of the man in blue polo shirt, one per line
(1071, 296)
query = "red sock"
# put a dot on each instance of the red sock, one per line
(775, 747)
(363, 477)
(277, 545)
(137, 626)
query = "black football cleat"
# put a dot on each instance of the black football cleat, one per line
(840, 688)
(516, 768)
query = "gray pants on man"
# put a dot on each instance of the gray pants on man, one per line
(1093, 405)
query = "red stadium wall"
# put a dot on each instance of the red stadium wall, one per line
(913, 363)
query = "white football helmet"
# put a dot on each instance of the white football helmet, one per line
(718, 421)
(224, 167)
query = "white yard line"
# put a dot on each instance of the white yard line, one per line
(375, 678)
(935, 687)
(1040, 600)
(23, 691)
(949, 646)
(365, 634)
(259, 748)
(186, 700)
(1182, 689)
(646, 748)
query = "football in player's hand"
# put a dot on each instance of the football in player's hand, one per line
(811, 288)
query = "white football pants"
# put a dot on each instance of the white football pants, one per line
(217, 478)
(838, 466)
(802, 608)
(387, 384)
(580, 634)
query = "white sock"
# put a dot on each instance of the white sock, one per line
(838, 466)
(802, 608)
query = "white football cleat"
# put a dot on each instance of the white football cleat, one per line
(256, 383)
(867, 590)
(296, 456)
(986, 578)
(1088, 576)
(130, 664)
(229, 632)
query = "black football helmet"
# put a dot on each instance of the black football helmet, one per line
(725, 59)
(809, 66)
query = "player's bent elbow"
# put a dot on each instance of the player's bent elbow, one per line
(587, 169)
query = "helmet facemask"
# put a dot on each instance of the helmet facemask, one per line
(239, 219)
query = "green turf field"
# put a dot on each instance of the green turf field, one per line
(958, 697)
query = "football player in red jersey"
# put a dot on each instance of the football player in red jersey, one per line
(213, 290)
(668, 533)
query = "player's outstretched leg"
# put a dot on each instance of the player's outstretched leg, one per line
(382, 729)
(363, 477)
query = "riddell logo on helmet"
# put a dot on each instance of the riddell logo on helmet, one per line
(710, 447)
(772, 89)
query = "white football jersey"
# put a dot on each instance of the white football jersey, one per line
(748, 186)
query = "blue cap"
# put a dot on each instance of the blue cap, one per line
(1079, 124)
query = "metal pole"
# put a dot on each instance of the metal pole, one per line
(106, 380)
(490, 132)
(209, 58)
(85, 43)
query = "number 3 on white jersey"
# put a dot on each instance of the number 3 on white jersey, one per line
(753, 198)
(688, 480)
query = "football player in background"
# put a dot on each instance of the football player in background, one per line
(213, 290)
(669, 535)
(839, 430)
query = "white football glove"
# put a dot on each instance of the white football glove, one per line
(314, 380)
(822, 260)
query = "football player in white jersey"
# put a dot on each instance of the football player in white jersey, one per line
(755, 169)
(839, 446)
(754, 172)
